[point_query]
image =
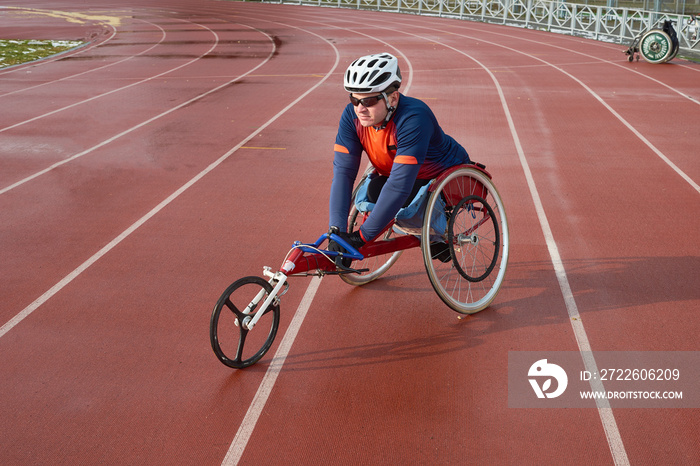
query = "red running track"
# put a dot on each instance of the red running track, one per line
(189, 144)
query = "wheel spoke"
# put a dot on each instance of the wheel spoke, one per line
(241, 342)
(232, 307)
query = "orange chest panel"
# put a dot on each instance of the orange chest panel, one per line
(380, 146)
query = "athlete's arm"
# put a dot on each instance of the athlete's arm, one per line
(346, 164)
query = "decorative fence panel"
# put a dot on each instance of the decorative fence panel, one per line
(610, 24)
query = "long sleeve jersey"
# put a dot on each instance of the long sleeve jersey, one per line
(411, 146)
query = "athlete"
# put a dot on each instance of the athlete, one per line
(403, 141)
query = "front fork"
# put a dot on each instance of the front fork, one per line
(278, 280)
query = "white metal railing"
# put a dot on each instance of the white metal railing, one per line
(610, 24)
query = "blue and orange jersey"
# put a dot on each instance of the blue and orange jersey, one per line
(411, 146)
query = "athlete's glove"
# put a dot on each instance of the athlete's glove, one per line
(354, 239)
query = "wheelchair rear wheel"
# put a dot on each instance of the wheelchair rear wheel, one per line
(656, 46)
(465, 215)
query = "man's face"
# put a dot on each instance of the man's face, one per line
(373, 115)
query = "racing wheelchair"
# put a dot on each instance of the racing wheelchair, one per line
(655, 45)
(460, 210)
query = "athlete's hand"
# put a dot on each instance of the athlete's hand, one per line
(354, 239)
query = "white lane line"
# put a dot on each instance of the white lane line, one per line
(133, 128)
(265, 388)
(150, 78)
(612, 432)
(588, 56)
(112, 244)
(245, 430)
(84, 48)
(639, 135)
(92, 69)
(602, 101)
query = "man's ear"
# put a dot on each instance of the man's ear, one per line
(394, 99)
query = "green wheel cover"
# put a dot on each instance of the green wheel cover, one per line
(656, 46)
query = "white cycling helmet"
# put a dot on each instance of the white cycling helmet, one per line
(373, 73)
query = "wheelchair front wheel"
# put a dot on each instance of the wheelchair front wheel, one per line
(232, 342)
(466, 213)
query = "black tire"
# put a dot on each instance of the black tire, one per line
(232, 342)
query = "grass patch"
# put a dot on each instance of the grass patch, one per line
(15, 52)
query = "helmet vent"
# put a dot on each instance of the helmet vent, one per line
(382, 78)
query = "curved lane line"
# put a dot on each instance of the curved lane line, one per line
(256, 407)
(686, 64)
(162, 38)
(150, 78)
(112, 244)
(130, 130)
(627, 124)
(406, 87)
(612, 432)
(47, 60)
(588, 56)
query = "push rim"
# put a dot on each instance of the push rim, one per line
(477, 234)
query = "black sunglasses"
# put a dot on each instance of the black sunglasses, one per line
(367, 101)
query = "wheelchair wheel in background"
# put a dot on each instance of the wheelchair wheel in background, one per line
(656, 46)
(233, 344)
(465, 222)
(377, 265)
